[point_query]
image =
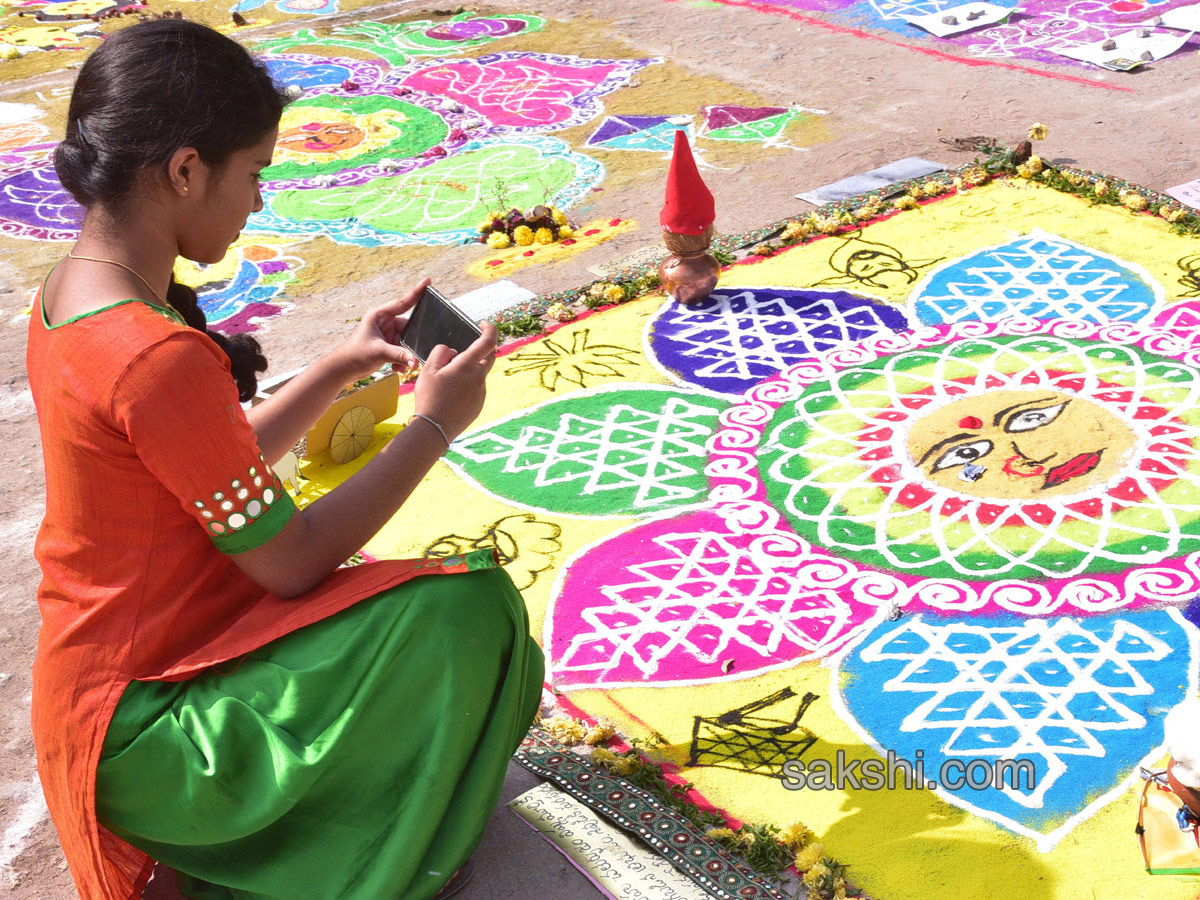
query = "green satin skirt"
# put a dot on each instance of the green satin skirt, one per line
(358, 758)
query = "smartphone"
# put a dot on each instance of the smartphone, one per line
(435, 320)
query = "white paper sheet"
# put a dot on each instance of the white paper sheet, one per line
(1185, 18)
(912, 167)
(1129, 49)
(936, 25)
(621, 868)
(490, 299)
(1187, 193)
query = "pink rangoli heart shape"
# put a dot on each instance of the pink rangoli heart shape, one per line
(708, 595)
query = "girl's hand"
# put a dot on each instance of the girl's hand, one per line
(451, 387)
(376, 340)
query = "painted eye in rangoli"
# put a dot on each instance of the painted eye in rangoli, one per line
(1029, 419)
(962, 454)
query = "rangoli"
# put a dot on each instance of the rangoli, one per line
(926, 492)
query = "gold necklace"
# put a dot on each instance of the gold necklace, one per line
(161, 301)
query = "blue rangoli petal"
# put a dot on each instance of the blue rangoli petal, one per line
(1039, 275)
(1082, 699)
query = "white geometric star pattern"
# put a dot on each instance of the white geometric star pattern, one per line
(706, 597)
(756, 337)
(1040, 275)
(626, 449)
(1035, 689)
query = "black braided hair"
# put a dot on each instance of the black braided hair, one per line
(244, 352)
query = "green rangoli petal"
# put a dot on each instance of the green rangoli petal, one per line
(630, 451)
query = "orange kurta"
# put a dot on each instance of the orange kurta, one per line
(153, 477)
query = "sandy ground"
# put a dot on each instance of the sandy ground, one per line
(884, 102)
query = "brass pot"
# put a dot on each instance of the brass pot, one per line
(689, 277)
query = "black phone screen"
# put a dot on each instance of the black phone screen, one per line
(435, 320)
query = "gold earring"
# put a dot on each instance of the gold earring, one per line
(185, 188)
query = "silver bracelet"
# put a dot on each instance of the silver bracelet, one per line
(441, 430)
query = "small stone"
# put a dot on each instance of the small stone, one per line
(1157, 20)
(1143, 32)
(238, 18)
(294, 91)
(1109, 45)
(974, 14)
(1147, 56)
(949, 20)
(971, 472)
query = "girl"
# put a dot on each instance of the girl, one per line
(210, 690)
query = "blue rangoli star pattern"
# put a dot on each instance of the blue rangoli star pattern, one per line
(1083, 699)
(1040, 275)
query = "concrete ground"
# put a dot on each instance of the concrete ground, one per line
(513, 860)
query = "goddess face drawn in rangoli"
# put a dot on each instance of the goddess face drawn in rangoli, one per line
(971, 444)
(321, 137)
(989, 455)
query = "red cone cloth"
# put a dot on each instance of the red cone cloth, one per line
(689, 207)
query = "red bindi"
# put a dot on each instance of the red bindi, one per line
(971, 422)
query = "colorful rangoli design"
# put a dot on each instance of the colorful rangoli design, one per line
(521, 92)
(1042, 276)
(439, 200)
(30, 38)
(32, 202)
(377, 156)
(750, 124)
(418, 155)
(1080, 698)
(653, 134)
(623, 451)
(291, 7)
(976, 504)
(246, 287)
(398, 44)
(1043, 28)
(736, 338)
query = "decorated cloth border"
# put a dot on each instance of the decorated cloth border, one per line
(633, 810)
